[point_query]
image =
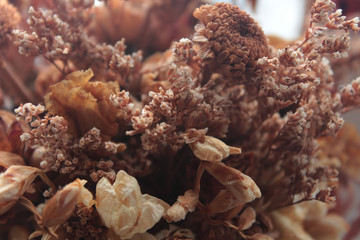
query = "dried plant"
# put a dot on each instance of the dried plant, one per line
(222, 136)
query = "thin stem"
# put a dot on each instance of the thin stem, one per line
(13, 79)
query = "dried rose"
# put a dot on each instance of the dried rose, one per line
(212, 149)
(84, 104)
(123, 208)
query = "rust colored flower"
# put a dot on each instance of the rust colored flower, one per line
(231, 41)
(84, 104)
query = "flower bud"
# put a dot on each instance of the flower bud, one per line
(212, 149)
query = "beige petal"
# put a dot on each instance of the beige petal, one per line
(241, 185)
(123, 208)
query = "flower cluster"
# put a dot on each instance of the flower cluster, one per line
(221, 136)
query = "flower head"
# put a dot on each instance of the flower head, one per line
(231, 41)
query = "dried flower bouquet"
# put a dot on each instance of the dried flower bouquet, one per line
(217, 136)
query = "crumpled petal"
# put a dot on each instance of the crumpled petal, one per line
(123, 208)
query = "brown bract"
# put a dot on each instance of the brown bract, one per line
(10, 131)
(84, 104)
(231, 41)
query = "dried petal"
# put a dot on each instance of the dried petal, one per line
(84, 104)
(123, 209)
(224, 201)
(212, 149)
(183, 205)
(60, 207)
(8, 159)
(246, 218)
(241, 185)
(13, 183)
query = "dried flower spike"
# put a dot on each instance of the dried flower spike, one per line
(212, 149)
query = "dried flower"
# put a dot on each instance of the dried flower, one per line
(308, 220)
(123, 208)
(242, 186)
(84, 104)
(230, 39)
(14, 182)
(212, 149)
(183, 205)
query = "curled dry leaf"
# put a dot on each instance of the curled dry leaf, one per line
(14, 182)
(239, 184)
(123, 208)
(212, 149)
(182, 206)
(84, 104)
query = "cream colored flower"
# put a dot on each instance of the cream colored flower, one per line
(308, 221)
(123, 208)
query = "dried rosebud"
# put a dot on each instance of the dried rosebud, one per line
(60, 207)
(84, 104)
(123, 208)
(13, 184)
(230, 40)
(212, 149)
(239, 184)
(182, 206)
